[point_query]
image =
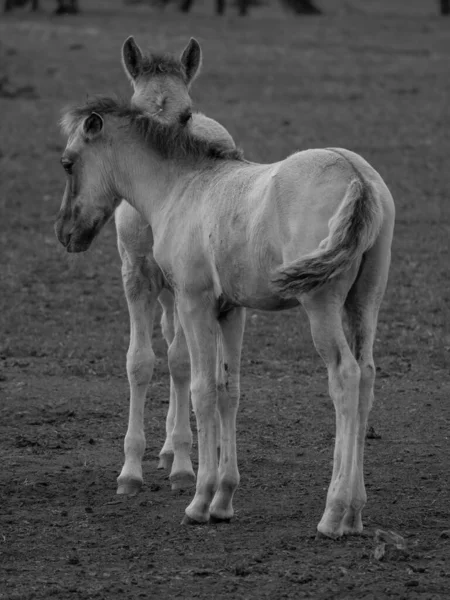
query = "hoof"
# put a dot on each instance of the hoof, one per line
(189, 521)
(217, 520)
(178, 486)
(326, 536)
(182, 481)
(165, 461)
(352, 531)
(130, 486)
(352, 524)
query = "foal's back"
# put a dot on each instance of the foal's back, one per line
(242, 222)
(134, 233)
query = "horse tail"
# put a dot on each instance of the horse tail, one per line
(352, 231)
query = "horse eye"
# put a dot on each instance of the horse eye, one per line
(67, 164)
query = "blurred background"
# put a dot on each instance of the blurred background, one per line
(368, 75)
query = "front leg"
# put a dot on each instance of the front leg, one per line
(141, 291)
(198, 319)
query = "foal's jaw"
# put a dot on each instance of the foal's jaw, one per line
(81, 242)
(87, 228)
(73, 238)
(77, 235)
(88, 202)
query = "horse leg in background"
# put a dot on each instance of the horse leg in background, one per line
(230, 342)
(141, 291)
(243, 7)
(325, 314)
(362, 306)
(9, 5)
(66, 7)
(220, 7)
(179, 400)
(175, 453)
(167, 302)
(199, 321)
(186, 5)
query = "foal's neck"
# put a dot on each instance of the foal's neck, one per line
(146, 179)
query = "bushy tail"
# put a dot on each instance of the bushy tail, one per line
(352, 231)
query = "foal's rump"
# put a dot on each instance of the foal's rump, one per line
(342, 218)
(260, 236)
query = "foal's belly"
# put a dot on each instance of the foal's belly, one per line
(270, 303)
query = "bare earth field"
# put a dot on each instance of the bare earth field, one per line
(373, 79)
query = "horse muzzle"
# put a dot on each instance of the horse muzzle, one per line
(63, 231)
(72, 238)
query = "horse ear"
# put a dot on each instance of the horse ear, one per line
(93, 124)
(191, 59)
(131, 58)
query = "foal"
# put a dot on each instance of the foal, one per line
(314, 229)
(160, 88)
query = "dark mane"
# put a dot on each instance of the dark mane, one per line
(169, 140)
(158, 64)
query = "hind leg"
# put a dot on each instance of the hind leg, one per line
(362, 327)
(362, 306)
(324, 312)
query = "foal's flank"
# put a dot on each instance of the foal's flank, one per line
(311, 229)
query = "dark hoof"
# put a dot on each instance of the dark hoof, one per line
(129, 487)
(165, 461)
(217, 520)
(188, 521)
(181, 486)
(324, 536)
(182, 481)
(66, 10)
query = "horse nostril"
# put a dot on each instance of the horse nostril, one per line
(185, 116)
(64, 238)
(62, 233)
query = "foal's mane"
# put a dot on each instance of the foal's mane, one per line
(170, 140)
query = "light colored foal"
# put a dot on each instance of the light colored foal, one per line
(161, 88)
(314, 230)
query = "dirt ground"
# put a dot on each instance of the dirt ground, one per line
(374, 79)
